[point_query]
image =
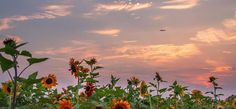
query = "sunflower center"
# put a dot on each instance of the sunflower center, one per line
(66, 107)
(49, 81)
(119, 107)
(8, 89)
(98, 107)
(88, 88)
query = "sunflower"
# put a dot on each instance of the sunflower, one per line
(196, 92)
(134, 81)
(10, 42)
(143, 89)
(86, 70)
(6, 87)
(89, 88)
(234, 103)
(219, 107)
(49, 81)
(74, 67)
(119, 104)
(65, 104)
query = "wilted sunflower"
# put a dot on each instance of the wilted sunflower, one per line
(49, 81)
(134, 81)
(119, 104)
(143, 89)
(89, 88)
(65, 104)
(74, 67)
(86, 70)
(10, 42)
(234, 103)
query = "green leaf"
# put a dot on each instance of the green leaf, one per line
(22, 44)
(9, 50)
(33, 75)
(5, 63)
(26, 53)
(36, 60)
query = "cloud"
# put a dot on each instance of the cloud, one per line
(230, 23)
(212, 35)
(156, 53)
(179, 4)
(129, 41)
(49, 12)
(107, 32)
(122, 7)
(218, 67)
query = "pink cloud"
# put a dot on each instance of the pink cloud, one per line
(49, 12)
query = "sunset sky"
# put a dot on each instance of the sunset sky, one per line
(125, 37)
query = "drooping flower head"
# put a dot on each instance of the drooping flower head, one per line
(49, 81)
(89, 88)
(65, 104)
(119, 104)
(196, 92)
(135, 81)
(10, 42)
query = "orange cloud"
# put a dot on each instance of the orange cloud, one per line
(49, 12)
(218, 67)
(156, 53)
(179, 4)
(213, 35)
(107, 32)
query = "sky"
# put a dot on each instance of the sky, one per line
(199, 40)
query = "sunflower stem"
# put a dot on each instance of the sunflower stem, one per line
(15, 83)
(150, 100)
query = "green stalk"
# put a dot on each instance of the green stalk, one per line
(150, 100)
(15, 84)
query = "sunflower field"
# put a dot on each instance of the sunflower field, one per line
(35, 92)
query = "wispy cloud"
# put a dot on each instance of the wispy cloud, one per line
(212, 35)
(103, 9)
(107, 32)
(179, 4)
(218, 67)
(49, 12)
(154, 53)
(122, 7)
(230, 23)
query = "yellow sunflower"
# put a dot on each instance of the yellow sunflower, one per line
(219, 107)
(196, 92)
(119, 104)
(49, 81)
(234, 103)
(143, 89)
(6, 87)
(65, 104)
